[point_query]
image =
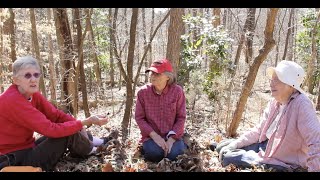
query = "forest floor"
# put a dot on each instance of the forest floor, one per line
(202, 126)
(125, 156)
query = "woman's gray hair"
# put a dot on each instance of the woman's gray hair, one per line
(172, 78)
(24, 62)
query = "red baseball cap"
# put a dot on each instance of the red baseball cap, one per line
(160, 66)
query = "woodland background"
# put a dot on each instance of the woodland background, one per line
(93, 62)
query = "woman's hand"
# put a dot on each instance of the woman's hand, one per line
(159, 141)
(170, 142)
(96, 119)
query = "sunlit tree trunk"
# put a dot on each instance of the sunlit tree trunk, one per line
(52, 73)
(35, 45)
(175, 30)
(12, 35)
(253, 70)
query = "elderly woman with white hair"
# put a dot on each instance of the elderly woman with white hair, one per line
(23, 111)
(288, 135)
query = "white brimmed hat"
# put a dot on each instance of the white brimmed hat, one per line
(289, 73)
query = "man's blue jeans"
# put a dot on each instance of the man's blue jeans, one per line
(155, 153)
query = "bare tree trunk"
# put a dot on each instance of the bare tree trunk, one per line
(53, 82)
(312, 61)
(253, 70)
(145, 43)
(249, 34)
(149, 60)
(279, 38)
(225, 15)
(60, 70)
(36, 50)
(96, 65)
(292, 36)
(248, 23)
(129, 92)
(288, 35)
(1, 52)
(12, 35)
(111, 74)
(175, 30)
(68, 81)
(318, 100)
(216, 13)
(146, 51)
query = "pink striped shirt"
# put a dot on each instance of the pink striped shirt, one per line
(161, 113)
(296, 141)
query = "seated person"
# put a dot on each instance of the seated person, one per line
(288, 135)
(23, 111)
(161, 113)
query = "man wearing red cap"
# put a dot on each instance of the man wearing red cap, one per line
(161, 113)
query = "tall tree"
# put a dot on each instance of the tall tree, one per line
(1, 51)
(216, 13)
(35, 45)
(253, 70)
(67, 61)
(12, 35)
(112, 20)
(175, 30)
(312, 61)
(288, 35)
(52, 72)
(96, 65)
(129, 92)
(246, 28)
(80, 66)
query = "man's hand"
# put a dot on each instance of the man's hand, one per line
(159, 141)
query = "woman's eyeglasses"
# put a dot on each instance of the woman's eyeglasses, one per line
(29, 75)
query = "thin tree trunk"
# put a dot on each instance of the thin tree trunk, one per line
(288, 36)
(36, 50)
(1, 52)
(248, 23)
(249, 34)
(12, 35)
(111, 73)
(216, 13)
(129, 92)
(96, 65)
(279, 38)
(60, 70)
(253, 70)
(292, 35)
(312, 60)
(53, 82)
(80, 67)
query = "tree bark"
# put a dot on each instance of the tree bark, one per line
(216, 13)
(253, 70)
(129, 92)
(12, 35)
(248, 23)
(175, 30)
(312, 61)
(52, 73)
(67, 62)
(36, 50)
(288, 36)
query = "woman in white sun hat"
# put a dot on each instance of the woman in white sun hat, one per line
(288, 135)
